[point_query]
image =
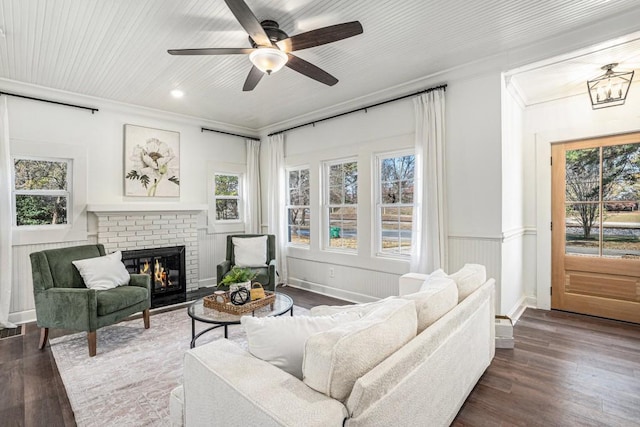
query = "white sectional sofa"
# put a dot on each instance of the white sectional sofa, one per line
(424, 382)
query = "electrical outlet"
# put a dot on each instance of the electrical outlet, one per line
(331, 272)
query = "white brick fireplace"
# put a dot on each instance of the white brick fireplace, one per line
(130, 226)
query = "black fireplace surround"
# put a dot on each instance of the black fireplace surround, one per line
(166, 266)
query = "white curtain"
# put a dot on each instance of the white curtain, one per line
(253, 211)
(6, 266)
(276, 200)
(429, 216)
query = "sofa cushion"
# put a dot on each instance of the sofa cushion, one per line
(280, 340)
(104, 272)
(437, 296)
(176, 406)
(335, 359)
(112, 300)
(250, 251)
(468, 279)
(361, 309)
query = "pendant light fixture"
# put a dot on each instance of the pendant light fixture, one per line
(611, 88)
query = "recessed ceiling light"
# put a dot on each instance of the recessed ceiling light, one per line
(177, 93)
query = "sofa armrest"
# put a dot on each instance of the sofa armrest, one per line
(140, 280)
(410, 283)
(223, 268)
(67, 308)
(224, 385)
(273, 278)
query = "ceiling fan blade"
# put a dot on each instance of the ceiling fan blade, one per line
(252, 79)
(310, 70)
(211, 51)
(320, 36)
(249, 22)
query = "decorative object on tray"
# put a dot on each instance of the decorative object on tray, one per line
(151, 162)
(227, 307)
(240, 296)
(257, 291)
(239, 276)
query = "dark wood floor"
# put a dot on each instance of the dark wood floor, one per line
(566, 370)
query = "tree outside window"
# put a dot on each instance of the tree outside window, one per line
(298, 211)
(341, 200)
(41, 191)
(227, 197)
(602, 194)
(395, 203)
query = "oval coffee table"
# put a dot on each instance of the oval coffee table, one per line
(197, 311)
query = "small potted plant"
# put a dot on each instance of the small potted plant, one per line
(236, 278)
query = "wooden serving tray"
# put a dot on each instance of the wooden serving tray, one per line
(227, 307)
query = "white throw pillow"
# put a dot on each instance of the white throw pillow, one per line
(437, 296)
(361, 309)
(250, 251)
(468, 279)
(104, 272)
(280, 340)
(335, 359)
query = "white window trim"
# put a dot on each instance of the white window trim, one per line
(76, 227)
(290, 206)
(68, 193)
(326, 165)
(226, 226)
(379, 205)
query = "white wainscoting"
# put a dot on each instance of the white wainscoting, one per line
(348, 283)
(22, 305)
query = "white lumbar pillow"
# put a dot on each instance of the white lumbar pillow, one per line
(280, 340)
(104, 272)
(468, 279)
(335, 359)
(250, 251)
(437, 296)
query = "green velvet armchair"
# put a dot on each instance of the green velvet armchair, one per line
(63, 301)
(265, 275)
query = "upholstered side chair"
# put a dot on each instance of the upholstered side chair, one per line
(265, 275)
(63, 301)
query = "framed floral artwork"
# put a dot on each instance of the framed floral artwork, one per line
(151, 162)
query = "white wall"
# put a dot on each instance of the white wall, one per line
(101, 134)
(473, 162)
(556, 121)
(513, 225)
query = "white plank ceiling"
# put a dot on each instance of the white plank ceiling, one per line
(117, 49)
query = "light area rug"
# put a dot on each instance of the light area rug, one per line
(129, 380)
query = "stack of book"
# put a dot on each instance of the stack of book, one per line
(504, 332)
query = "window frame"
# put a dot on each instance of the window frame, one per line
(239, 198)
(289, 206)
(379, 205)
(68, 193)
(327, 206)
(225, 226)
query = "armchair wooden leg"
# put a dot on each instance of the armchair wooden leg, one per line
(145, 317)
(91, 338)
(44, 336)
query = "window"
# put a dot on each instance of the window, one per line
(298, 212)
(41, 191)
(395, 203)
(341, 204)
(228, 197)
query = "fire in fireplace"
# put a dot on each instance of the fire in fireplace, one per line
(166, 267)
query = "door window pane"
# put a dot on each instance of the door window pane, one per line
(582, 226)
(583, 175)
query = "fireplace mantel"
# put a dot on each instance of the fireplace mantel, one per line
(111, 208)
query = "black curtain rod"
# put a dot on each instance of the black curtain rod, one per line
(93, 110)
(431, 89)
(253, 138)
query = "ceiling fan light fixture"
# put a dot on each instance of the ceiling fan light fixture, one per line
(611, 88)
(268, 59)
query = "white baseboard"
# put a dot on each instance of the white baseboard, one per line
(23, 316)
(329, 291)
(519, 308)
(205, 283)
